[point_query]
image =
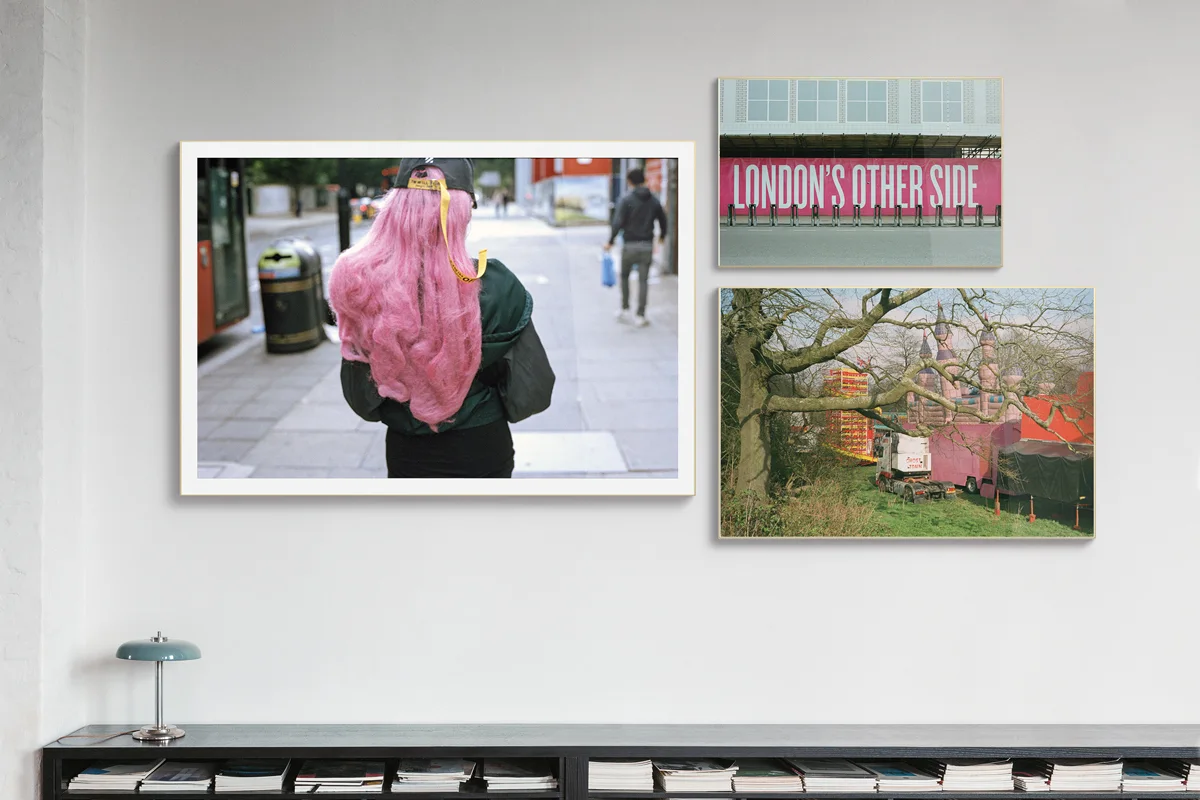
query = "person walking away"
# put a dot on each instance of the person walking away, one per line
(506, 199)
(635, 216)
(438, 346)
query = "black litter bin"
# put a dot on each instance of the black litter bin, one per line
(293, 297)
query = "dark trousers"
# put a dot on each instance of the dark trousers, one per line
(636, 254)
(485, 451)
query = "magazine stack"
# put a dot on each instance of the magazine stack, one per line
(833, 775)
(327, 776)
(432, 774)
(1186, 769)
(977, 775)
(617, 775)
(1142, 776)
(178, 776)
(1030, 776)
(766, 775)
(114, 777)
(1084, 774)
(901, 776)
(518, 776)
(694, 774)
(251, 775)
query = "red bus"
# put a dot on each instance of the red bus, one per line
(223, 290)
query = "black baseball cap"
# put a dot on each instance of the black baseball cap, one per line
(459, 173)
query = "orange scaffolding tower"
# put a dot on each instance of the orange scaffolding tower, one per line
(850, 431)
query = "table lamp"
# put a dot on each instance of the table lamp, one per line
(158, 650)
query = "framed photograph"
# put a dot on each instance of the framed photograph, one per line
(437, 318)
(840, 172)
(911, 413)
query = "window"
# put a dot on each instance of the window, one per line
(816, 101)
(768, 101)
(866, 101)
(941, 101)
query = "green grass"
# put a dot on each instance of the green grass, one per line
(964, 515)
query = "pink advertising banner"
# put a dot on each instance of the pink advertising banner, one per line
(846, 182)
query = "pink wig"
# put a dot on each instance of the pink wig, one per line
(401, 309)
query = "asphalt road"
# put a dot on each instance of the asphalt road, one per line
(785, 246)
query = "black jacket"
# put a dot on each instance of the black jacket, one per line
(506, 308)
(635, 214)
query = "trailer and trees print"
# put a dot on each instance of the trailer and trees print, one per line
(997, 382)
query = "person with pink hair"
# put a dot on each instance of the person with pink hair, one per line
(437, 346)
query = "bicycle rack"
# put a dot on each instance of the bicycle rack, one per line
(857, 218)
(896, 216)
(920, 213)
(816, 216)
(731, 215)
(878, 218)
(997, 215)
(774, 215)
(837, 216)
(958, 218)
(939, 216)
(794, 213)
(753, 215)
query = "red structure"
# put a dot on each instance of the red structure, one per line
(544, 168)
(967, 454)
(850, 432)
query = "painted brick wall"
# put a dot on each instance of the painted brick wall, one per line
(21, 150)
(41, 162)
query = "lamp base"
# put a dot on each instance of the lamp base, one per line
(158, 733)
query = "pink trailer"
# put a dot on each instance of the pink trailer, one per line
(965, 454)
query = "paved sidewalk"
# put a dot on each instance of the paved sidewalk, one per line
(615, 407)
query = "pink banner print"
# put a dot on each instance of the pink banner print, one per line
(846, 182)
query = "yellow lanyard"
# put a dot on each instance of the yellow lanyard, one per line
(439, 184)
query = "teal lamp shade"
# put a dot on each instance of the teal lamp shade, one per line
(160, 649)
(151, 650)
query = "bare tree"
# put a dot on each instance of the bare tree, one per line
(800, 333)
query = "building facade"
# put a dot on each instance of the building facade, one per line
(967, 107)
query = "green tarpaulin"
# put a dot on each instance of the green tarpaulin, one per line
(1051, 470)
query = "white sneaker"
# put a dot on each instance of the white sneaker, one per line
(641, 322)
(624, 316)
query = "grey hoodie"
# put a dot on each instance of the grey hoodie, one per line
(635, 214)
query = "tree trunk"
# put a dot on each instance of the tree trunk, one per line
(754, 434)
(754, 437)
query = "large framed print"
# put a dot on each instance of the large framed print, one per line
(437, 318)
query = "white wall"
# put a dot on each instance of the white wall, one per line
(630, 610)
(63, 304)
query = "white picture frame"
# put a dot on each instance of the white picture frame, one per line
(684, 481)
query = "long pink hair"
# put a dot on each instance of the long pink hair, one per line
(401, 309)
